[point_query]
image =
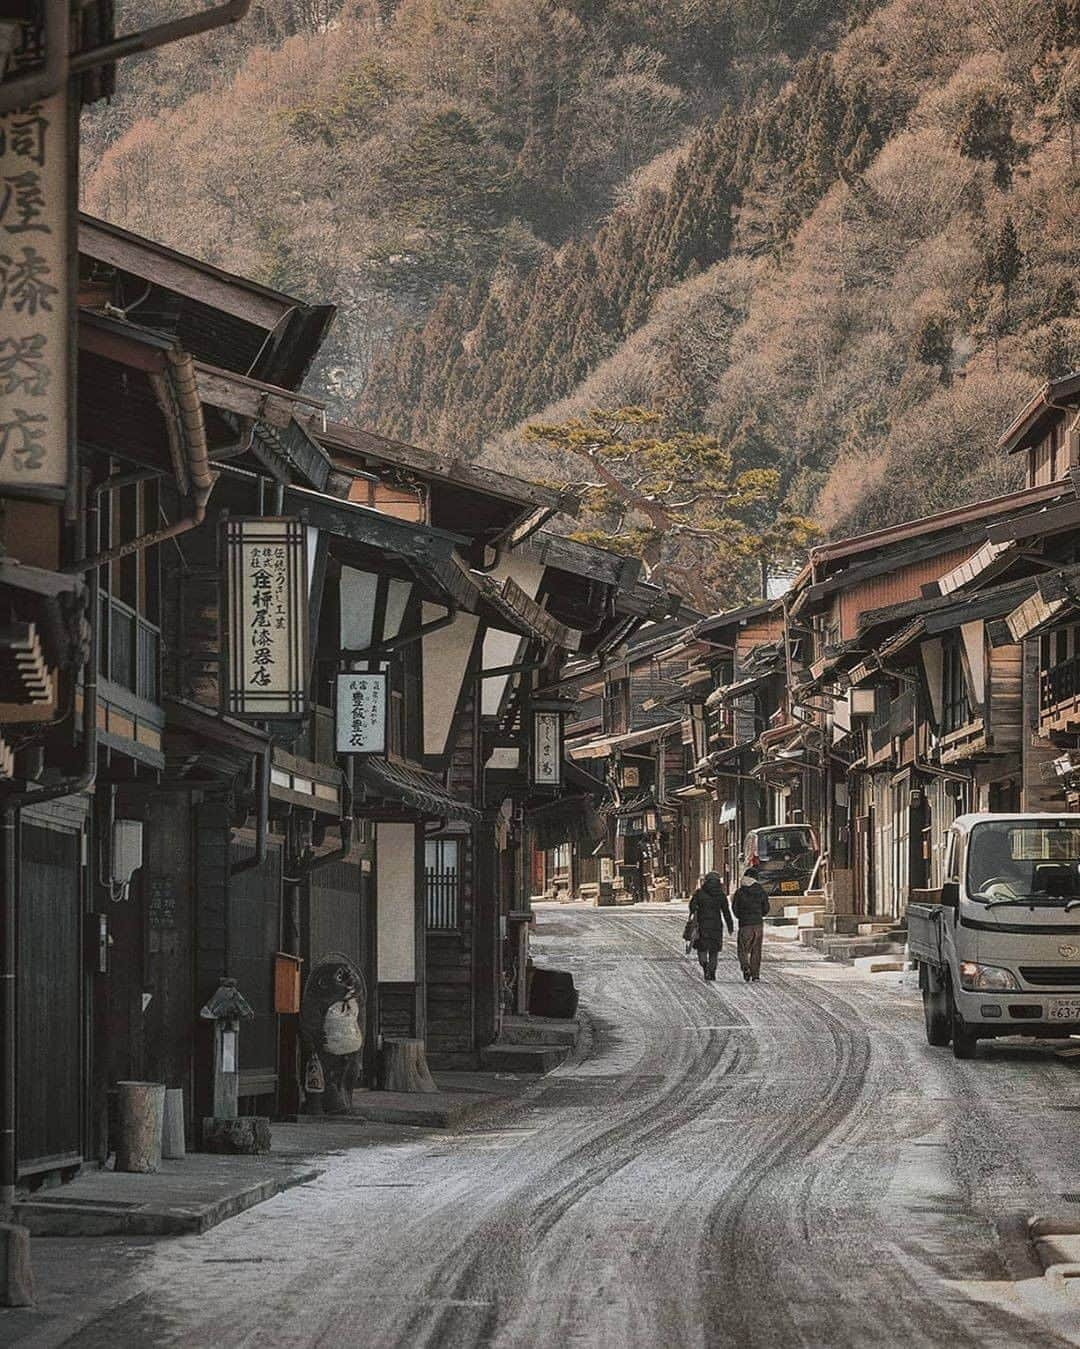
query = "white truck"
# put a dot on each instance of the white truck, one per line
(999, 954)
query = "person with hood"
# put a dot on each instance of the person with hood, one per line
(751, 904)
(709, 907)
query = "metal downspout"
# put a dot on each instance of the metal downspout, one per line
(12, 807)
(316, 863)
(262, 815)
(187, 440)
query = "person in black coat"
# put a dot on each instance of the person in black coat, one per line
(709, 907)
(751, 904)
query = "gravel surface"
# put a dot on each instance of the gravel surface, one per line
(774, 1164)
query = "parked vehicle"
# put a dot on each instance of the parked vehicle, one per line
(999, 954)
(784, 856)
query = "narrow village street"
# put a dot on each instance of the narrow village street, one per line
(778, 1164)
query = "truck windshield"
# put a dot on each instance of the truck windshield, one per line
(1024, 860)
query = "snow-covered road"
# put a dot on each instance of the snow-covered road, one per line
(786, 1163)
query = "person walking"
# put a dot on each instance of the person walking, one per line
(709, 906)
(751, 904)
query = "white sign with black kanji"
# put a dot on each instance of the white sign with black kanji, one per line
(361, 713)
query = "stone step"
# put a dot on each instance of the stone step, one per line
(809, 935)
(841, 924)
(778, 920)
(504, 1058)
(802, 906)
(539, 1030)
(847, 949)
(878, 964)
(811, 918)
(872, 929)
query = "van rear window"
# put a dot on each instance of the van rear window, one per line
(779, 841)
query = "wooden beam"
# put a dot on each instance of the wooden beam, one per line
(248, 397)
(361, 524)
(374, 446)
(197, 281)
(1048, 521)
(133, 351)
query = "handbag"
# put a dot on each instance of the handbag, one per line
(690, 932)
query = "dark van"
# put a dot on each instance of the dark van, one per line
(783, 855)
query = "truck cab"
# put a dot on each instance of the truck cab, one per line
(999, 953)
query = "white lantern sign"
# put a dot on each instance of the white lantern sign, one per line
(266, 615)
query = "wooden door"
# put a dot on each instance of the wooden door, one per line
(50, 1003)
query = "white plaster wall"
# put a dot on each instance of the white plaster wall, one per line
(446, 658)
(975, 651)
(503, 648)
(395, 892)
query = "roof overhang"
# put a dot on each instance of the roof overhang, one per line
(414, 788)
(1030, 426)
(606, 745)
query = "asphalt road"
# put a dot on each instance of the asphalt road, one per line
(786, 1163)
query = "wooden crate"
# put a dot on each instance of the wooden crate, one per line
(286, 982)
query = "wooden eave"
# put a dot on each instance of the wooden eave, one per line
(941, 613)
(826, 553)
(371, 445)
(211, 311)
(943, 542)
(735, 618)
(281, 441)
(582, 559)
(530, 619)
(422, 544)
(1030, 426)
(1050, 520)
(187, 276)
(123, 343)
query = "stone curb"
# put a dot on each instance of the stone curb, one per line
(45, 1219)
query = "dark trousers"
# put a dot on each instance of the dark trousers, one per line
(707, 951)
(750, 939)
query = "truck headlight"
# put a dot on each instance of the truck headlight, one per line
(985, 978)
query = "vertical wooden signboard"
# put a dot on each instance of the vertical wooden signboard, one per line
(35, 306)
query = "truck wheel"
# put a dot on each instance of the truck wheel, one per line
(965, 1043)
(937, 1014)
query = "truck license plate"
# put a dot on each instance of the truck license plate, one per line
(789, 886)
(1064, 1009)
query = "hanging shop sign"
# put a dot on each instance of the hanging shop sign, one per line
(361, 713)
(631, 775)
(546, 748)
(36, 211)
(265, 618)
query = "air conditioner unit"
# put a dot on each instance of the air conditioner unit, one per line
(861, 702)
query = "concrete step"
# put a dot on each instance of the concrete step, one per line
(847, 949)
(872, 929)
(811, 918)
(539, 1030)
(809, 935)
(878, 964)
(504, 1058)
(793, 910)
(778, 920)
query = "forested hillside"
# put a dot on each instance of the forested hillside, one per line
(836, 242)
